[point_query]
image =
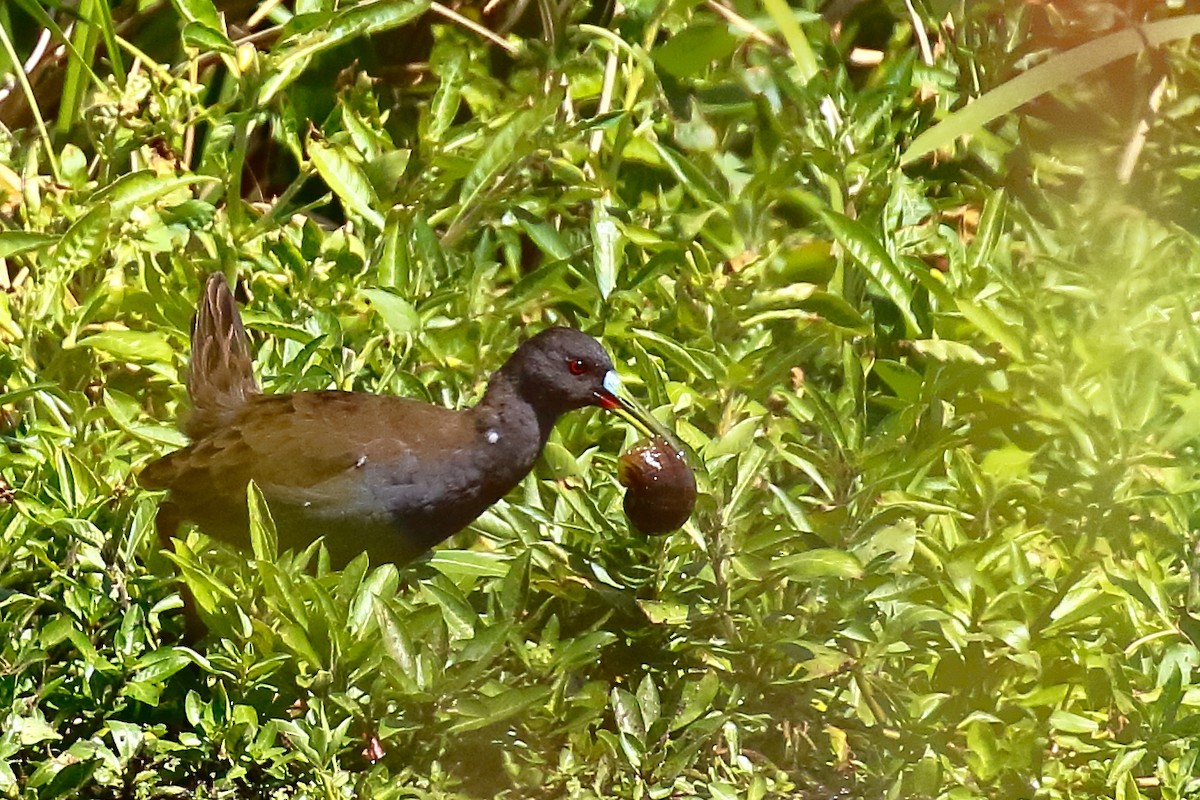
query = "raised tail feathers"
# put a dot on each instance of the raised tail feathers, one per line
(220, 374)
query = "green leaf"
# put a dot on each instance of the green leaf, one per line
(691, 50)
(342, 173)
(688, 175)
(869, 253)
(68, 781)
(264, 542)
(397, 313)
(469, 563)
(723, 791)
(807, 262)
(510, 143)
(381, 583)
(207, 39)
(144, 346)
(902, 379)
(84, 240)
(947, 350)
(583, 649)
(664, 613)
(451, 68)
(983, 751)
(1007, 463)
(1068, 722)
(543, 234)
(993, 327)
(514, 588)
(735, 441)
(298, 641)
(203, 12)
(627, 713)
(784, 17)
(484, 711)
(1082, 601)
(697, 700)
(818, 564)
(322, 32)
(835, 310)
(649, 701)
(14, 243)
(608, 249)
(897, 543)
(396, 640)
(1187, 426)
(157, 666)
(456, 611)
(32, 729)
(127, 739)
(692, 362)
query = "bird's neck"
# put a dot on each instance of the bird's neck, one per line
(512, 427)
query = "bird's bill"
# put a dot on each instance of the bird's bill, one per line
(614, 398)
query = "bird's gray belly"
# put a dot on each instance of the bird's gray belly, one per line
(393, 513)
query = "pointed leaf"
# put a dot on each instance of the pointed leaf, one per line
(131, 345)
(264, 542)
(14, 243)
(869, 253)
(608, 249)
(817, 564)
(347, 180)
(397, 313)
(697, 699)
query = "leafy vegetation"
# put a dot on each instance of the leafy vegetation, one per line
(943, 416)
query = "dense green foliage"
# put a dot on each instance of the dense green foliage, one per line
(942, 416)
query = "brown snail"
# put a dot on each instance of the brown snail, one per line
(660, 487)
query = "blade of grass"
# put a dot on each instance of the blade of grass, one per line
(86, 38)
(39, 15)
(797, 42)
(1047, 76)
(6, 64)
(108, 32)
(34, 109)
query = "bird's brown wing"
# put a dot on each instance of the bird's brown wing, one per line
(304, 449)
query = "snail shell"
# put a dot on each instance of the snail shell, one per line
(660, 487)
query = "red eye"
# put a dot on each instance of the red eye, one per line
(576, 366)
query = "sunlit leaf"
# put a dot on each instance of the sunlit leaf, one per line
(263, 540)
(607, 250)
(347, 180)
(697, 699)
(397, 313)
(818, 564)
(14, 243)
(203, 37)
(131, 345)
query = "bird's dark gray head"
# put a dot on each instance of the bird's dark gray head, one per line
(562, 369)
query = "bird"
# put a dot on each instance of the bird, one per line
(386, 475)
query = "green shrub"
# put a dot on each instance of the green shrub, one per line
(942, 417)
